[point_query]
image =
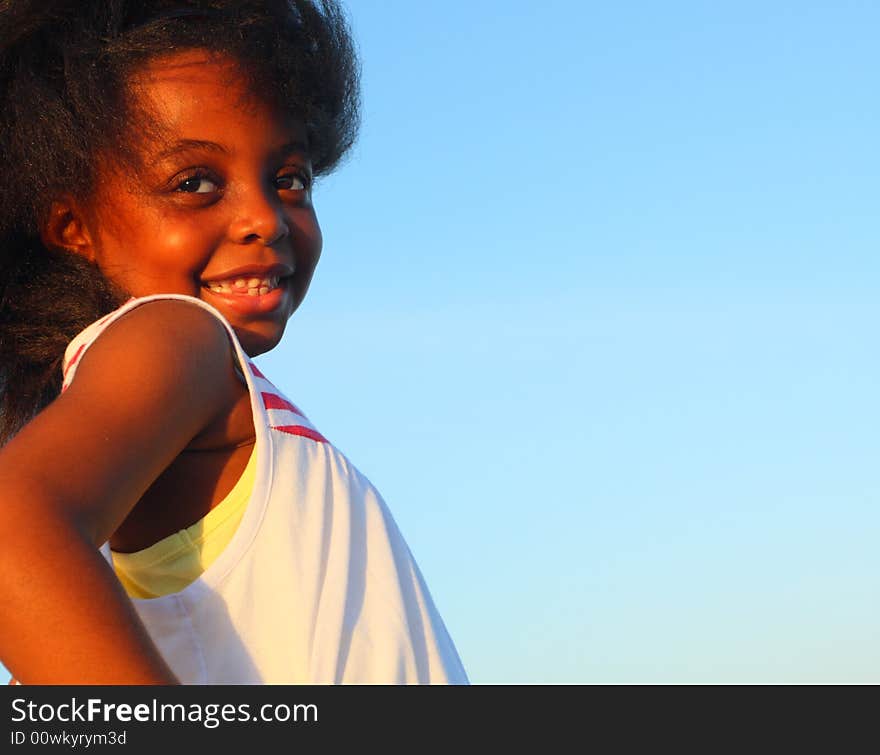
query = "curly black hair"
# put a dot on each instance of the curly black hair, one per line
(64, 99)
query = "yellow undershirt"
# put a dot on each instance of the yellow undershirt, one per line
(172, 563)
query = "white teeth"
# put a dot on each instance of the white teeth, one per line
(254, 286)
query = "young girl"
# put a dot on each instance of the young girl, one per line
(167, 515)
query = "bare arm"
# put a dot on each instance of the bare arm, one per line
(143, 391)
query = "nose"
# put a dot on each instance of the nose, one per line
(259, 218)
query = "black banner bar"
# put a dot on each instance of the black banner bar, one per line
(83, 717)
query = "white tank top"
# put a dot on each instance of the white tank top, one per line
(316, 586)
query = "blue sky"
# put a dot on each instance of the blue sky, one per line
(597, 313)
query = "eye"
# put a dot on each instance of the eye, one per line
(291, 182)
(198, 184)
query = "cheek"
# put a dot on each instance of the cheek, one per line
(148, 251)
(316, 241)
(311, 241)
(308, 251)
(180, 243)
(175, 244)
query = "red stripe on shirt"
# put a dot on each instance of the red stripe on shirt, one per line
(274, 401)
(75, 357)
(255, 371)
(305, 432)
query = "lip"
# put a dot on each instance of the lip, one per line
(245, 304)
(279, 270)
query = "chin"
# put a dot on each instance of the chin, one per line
(255, 342)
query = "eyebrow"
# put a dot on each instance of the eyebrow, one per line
(189, 145)
(293, 146)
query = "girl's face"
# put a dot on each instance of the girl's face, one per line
(223, 208)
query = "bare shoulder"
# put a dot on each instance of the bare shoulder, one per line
(162, 337)
(168, 358)
(148, 385)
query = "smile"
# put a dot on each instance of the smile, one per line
(245, 286)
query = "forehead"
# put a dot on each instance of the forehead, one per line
(193, 95)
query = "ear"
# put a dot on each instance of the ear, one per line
(65, 228)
